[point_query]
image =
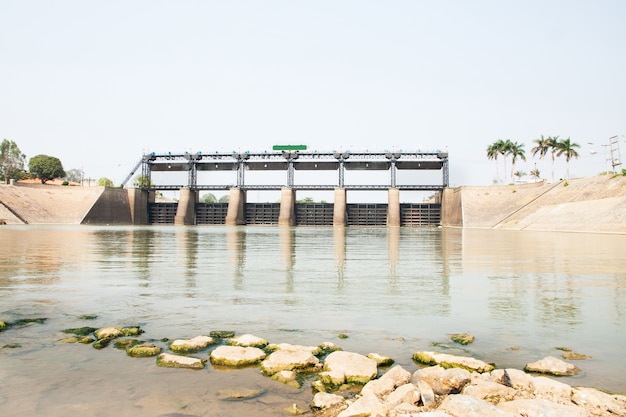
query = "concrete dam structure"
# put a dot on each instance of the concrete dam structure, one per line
(188, 211)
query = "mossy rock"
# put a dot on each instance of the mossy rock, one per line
(144, 350)
(342, 336)
(88, 317)
(80, 331)
(380, 359)
(575, 356)
(101, 343)
(3, 325)
(450, 361)
(125, 344)
(247, 340)
(12, 346)
(132, 331)
(296, 410)
(175, 361)
(462, 338)
(236, 356)
(109, 333)
(85, 340)
(288, 378)
(112, 332)
(22, 322)
(239, 395)
(192, 345)
(222, 334)
(326, 348)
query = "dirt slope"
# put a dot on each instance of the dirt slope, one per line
(46, 204)
(591, 204)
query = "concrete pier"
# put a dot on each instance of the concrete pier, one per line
(236, 214)
(287, 216)
(186, 211)
(393, 207)
(138, 202)
(339, 208)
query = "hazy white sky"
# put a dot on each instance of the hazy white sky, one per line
(97, 83)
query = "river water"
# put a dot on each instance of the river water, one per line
(393, 291)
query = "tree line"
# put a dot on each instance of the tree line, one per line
(543, 146)
(42, 167)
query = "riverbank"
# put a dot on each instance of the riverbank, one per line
(591, 204)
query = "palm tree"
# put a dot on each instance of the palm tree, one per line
(516, 150)
(567, 148)
(542, 147)
(534, 173)
(493, 151)
(553, 143)
(505, 147)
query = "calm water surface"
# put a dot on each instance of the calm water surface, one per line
(392, 291)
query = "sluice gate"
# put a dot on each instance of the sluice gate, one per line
(316, 214)
(206, 172)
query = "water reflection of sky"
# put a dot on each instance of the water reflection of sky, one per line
(511, 289)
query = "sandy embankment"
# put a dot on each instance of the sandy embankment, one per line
(591, 204)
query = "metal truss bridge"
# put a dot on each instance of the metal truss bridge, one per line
(290, 161)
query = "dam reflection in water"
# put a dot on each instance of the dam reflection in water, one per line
(529, 291)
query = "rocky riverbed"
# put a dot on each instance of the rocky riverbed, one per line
(350, 384)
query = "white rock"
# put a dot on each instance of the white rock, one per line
(189, 345)
(407, 393)
(551, 390)
(324, 400)
(519, 380)
(541, 408)
(176, 361)
(392, 379)
(282, 360)
(452, 361)
(460, 405)
(426, 393)
(314, 350)
(355, 367)
(490, 391)
(236, 355)
(444, 381)
(363, 406)
(247, 340)
(405, 410)
(553, 366)
(599, 403)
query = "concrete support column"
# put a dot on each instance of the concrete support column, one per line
(236, 214)
(186, 210)
(339, 207)
(393, 207)
(287, 216)
(138, 202)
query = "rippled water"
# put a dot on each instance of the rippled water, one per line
(392, 291)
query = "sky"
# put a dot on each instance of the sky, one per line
(98, 84)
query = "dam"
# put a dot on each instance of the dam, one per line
(293, 163)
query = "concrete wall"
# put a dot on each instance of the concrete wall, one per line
(113, 207)
(452, 207)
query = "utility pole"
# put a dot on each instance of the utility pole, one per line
(616, 159)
